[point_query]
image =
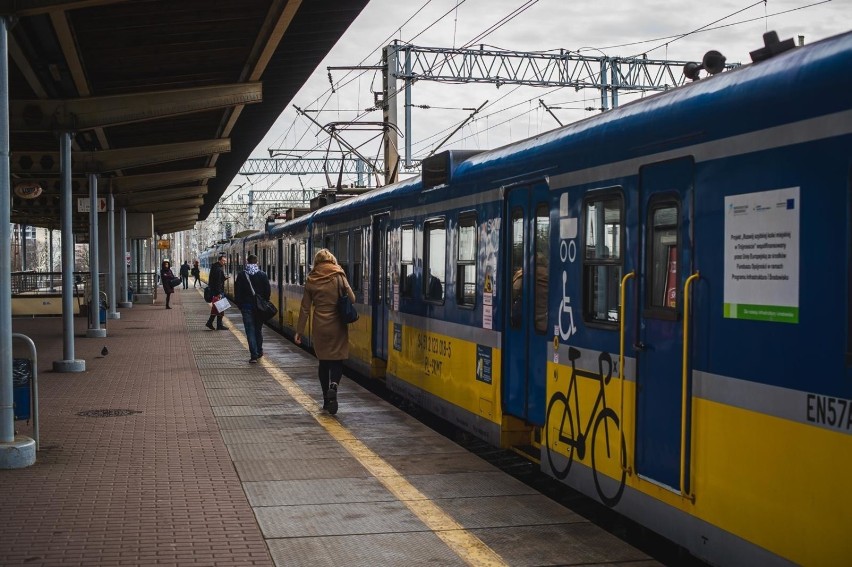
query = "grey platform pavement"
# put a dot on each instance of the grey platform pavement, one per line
(173, 450)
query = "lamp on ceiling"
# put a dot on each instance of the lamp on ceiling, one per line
(28, 189)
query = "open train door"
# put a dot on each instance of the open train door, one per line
(525, 261)
(380, 285)
(665, 226)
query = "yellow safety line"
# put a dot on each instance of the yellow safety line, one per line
(467, 546)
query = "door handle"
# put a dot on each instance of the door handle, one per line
(640, 346)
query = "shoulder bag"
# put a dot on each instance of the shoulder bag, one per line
(265, 310)
(175, 282)
(344, 305)
(208, 294)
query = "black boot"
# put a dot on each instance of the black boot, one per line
(209, 323)
(332, 399)
(219, 325)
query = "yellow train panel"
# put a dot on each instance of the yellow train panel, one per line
(446, 367)
(776, 483)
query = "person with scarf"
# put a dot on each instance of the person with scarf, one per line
(252, 281)
(329, 334)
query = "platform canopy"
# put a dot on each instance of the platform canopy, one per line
(166, 99)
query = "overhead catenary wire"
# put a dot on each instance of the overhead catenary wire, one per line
(665, 41)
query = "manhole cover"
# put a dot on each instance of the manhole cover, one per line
(107, 412)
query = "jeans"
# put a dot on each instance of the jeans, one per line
(185, 282)
(254, 331)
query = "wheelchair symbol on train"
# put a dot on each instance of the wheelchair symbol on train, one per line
(607, 440)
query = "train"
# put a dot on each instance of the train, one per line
(652, 303)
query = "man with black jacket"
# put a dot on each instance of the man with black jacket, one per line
(252, 281)
(216, 283)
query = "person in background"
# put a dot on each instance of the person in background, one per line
(252, 278)
(184, 274)
(329, 334)
(216, 283)
(166, 277)
(196, 273)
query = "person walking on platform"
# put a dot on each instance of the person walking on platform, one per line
(166, 277)
(216, 283)
(184, 274)
(254, 281)
(196, 273)
(329, 334)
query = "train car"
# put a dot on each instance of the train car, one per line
(654, 302)
(293, 246)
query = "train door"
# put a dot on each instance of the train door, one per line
(665, 223)
(281, 258)
(381, 291)
(525, 339)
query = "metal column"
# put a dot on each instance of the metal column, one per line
(95, 301)
(407, 108)
(113, 303)
(125, 256)
(16, 451)
(52, 263)
(69, 363)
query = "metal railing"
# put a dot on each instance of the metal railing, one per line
(38, 283)
(142, 282)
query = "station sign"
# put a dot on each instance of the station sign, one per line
(83, 205)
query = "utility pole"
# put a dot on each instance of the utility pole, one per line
(389, 116)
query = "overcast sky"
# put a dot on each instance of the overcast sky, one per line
(612, 27)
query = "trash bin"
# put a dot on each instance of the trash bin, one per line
(22, 372)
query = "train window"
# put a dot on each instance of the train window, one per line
(328, 243)
(343, 252)
(662, 258)
(603, 260)
(302, 256)
(406, 267)
(357, 261)
(517, 240)
(542, 265)
(466, 261)
(434, 260)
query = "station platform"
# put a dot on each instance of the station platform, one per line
(171, 449)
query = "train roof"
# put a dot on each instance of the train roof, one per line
(801, 83)
(752, 97)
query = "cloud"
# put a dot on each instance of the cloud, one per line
(615, 26)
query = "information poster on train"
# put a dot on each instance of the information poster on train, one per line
(762, 256)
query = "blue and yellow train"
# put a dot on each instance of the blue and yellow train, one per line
(655, 301)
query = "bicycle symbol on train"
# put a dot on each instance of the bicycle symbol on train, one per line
(607, 439)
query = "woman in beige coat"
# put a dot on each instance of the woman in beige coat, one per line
(329, 334)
